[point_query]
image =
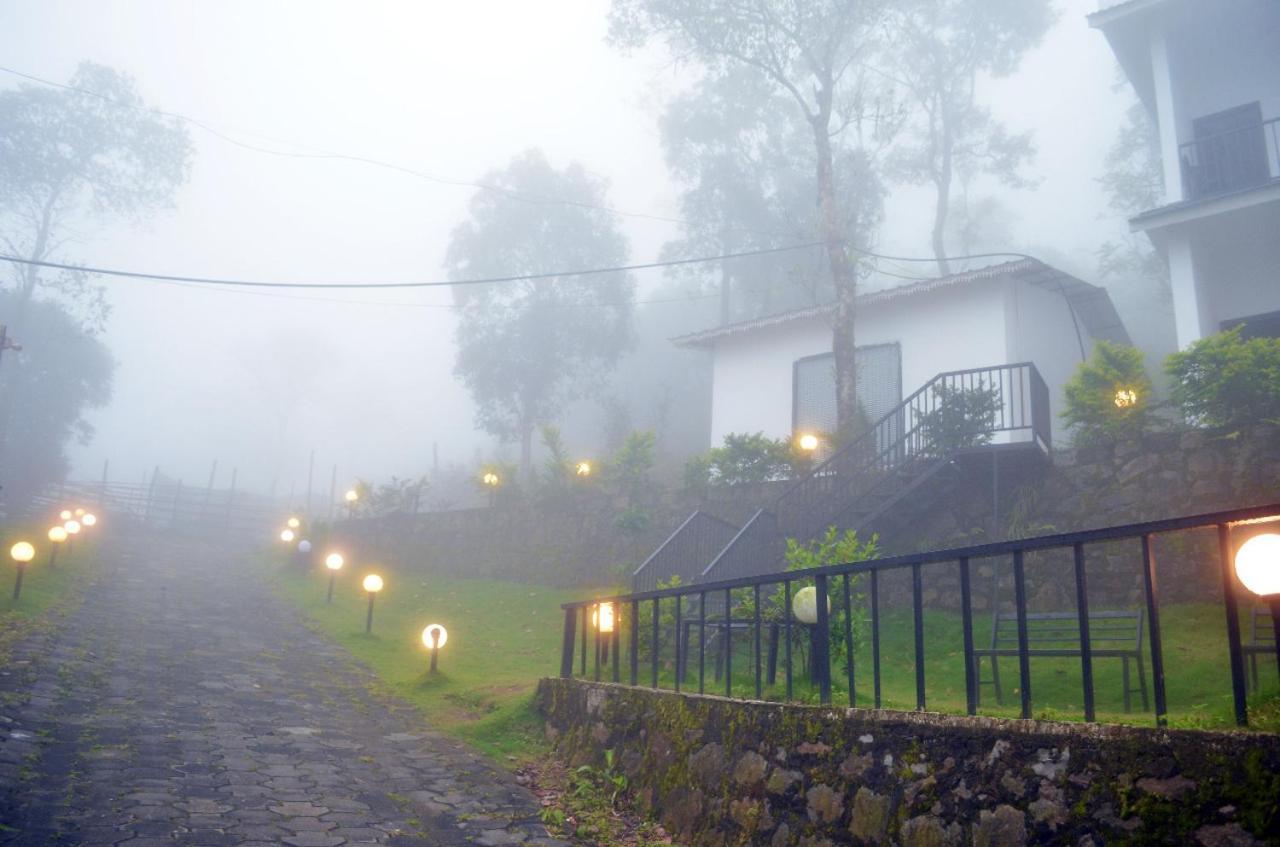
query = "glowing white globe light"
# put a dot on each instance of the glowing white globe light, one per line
(65, 514)
(602, 617)
(57, 535)
(333, 561)
(79, 513)
(22, 552)
(89, 519)
(72, 527)
(437, 631)
(809, 442)
(1258, 564)
(286, 535)
(304, 546)
(372, 583)
(804, 605)
(293, 523)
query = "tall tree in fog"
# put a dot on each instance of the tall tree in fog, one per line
(61, 372)
(745, 162)
(813, 54)
(72, 157)
(937, 50)
(527, 348)
(1134, 182)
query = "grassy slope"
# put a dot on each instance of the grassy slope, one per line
(44, 589)
(502, 638)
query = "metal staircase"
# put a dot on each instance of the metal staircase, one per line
(860, 482)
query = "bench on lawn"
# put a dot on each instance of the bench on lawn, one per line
(1112, 635)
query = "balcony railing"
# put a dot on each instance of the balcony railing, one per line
(1231, 161)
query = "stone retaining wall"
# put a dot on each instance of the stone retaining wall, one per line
(717, 772)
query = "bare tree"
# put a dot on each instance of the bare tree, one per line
(69, 156)
(938, 49)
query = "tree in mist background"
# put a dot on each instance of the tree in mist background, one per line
(61, 372)
(744, 158)
(938, 49)
(814, 57)
(71, 159)
(528, 348)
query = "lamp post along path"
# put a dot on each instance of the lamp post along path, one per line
(1258, 569)
(372, 584)
(22, 553)
(434, 637)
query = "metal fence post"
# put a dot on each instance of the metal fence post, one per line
(1153, 623)
(821, 642)
(966, 618)
(566, 649)
(1234, 652)
(1024, 657)
(1086, 643)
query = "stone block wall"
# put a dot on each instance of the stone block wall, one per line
(717, 772)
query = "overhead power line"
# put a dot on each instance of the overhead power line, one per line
(333, 155)
(246, 283)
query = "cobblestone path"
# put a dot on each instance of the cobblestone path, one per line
(183, 704)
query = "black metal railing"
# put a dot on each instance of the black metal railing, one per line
(685, 552)
(954, 411)
(733, 610)
(1231, 161)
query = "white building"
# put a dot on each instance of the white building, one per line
(1208, 72)
(775, 374)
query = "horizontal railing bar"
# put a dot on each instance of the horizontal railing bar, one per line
(981, 551)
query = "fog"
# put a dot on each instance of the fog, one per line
(258, 380)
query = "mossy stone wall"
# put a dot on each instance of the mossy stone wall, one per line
(717, 772)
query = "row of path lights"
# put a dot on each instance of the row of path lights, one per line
(435, 635)
(23, 552)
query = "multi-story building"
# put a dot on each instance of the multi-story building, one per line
(1208, 72)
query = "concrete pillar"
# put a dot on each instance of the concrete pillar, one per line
(1191, 317)
(1166, 114)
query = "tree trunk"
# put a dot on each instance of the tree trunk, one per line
(842, 276)
(942, 182)
(526, 453)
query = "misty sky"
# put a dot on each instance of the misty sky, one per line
(453, 89)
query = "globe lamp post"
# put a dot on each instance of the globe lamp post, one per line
(293, 523)
(1257, 565)
(808, 442)
(491, 481)
(73, 529)
(334, 563)
(602, 620)
(89, 519)
(57, 535)
(21, 553)
(372, 584)
(804, 605)
(351, 497)
(64, 515)
(583, 469)
(287, 536)
(433, 638)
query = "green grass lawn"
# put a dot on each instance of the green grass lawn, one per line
(502, 638)
(1197, 673)
(44, 588)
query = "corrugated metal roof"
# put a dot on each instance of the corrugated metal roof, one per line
(1091, 304)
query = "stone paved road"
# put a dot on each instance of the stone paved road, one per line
(183, 704)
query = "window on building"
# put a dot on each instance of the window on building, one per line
(813, 406)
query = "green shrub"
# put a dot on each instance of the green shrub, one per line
(745, 457)
(962, 417)
(1227, 381)
(1094, 406)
